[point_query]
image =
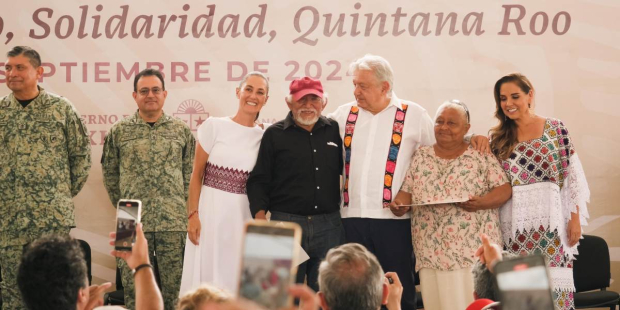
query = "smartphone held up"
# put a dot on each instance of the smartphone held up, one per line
(269, 262)
(127, 218)
(524, 283)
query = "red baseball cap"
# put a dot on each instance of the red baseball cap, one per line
(305, 86)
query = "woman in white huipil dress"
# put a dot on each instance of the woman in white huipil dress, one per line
(218, 206)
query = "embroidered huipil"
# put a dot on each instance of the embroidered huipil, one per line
(377, 165)
(548, 183)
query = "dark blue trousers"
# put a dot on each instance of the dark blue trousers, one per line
(320, 233)
(390, 241)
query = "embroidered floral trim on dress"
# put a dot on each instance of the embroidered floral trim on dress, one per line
(546, 242)
(532, 206)
(545, 204)
(542, 160)
(226, 179)
(548, 184)
(563, 300)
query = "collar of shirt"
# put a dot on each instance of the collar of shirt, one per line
(289, 121)
(38, 102)
(394, 102)
(136, 119)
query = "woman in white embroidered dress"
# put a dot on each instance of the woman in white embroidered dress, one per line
(218, 206)
(550, 191)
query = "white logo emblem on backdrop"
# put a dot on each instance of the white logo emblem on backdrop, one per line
(192, 112)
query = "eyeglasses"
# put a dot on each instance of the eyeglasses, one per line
(145, 91)
(462, 104)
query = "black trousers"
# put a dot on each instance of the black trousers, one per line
(390, 241)
(320, 233)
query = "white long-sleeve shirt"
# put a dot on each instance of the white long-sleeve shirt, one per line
(369, 153)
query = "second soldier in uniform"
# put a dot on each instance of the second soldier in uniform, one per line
(148, 156)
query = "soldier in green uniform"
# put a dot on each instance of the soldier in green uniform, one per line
(44, 163)
(149, 156)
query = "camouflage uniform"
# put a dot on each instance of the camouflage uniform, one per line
(44, 163)
(153, 164)
(169, 267)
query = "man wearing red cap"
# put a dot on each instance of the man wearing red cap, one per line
(297, 175)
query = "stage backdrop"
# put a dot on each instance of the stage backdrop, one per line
(439, 50)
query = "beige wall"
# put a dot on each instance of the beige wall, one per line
(576, 74)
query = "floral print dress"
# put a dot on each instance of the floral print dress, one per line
(445, 236)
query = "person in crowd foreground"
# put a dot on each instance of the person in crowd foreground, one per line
(350, 277)
(485, 290)
(53, 275)
(203, 295)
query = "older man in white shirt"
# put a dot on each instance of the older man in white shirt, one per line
(380, 133)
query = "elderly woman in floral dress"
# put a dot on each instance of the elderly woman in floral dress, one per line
(455, 192)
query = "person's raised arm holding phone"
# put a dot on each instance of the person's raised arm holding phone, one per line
(147, 296)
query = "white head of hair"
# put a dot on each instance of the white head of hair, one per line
(378, 65)
(457, 105)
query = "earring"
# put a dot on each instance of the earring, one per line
(529, 105)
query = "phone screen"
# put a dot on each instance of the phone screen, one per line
(268, 265)
(524, 284)
(127, 217)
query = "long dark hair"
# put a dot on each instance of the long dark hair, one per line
(504, 135)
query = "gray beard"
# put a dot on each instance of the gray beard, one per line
(306, 122)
